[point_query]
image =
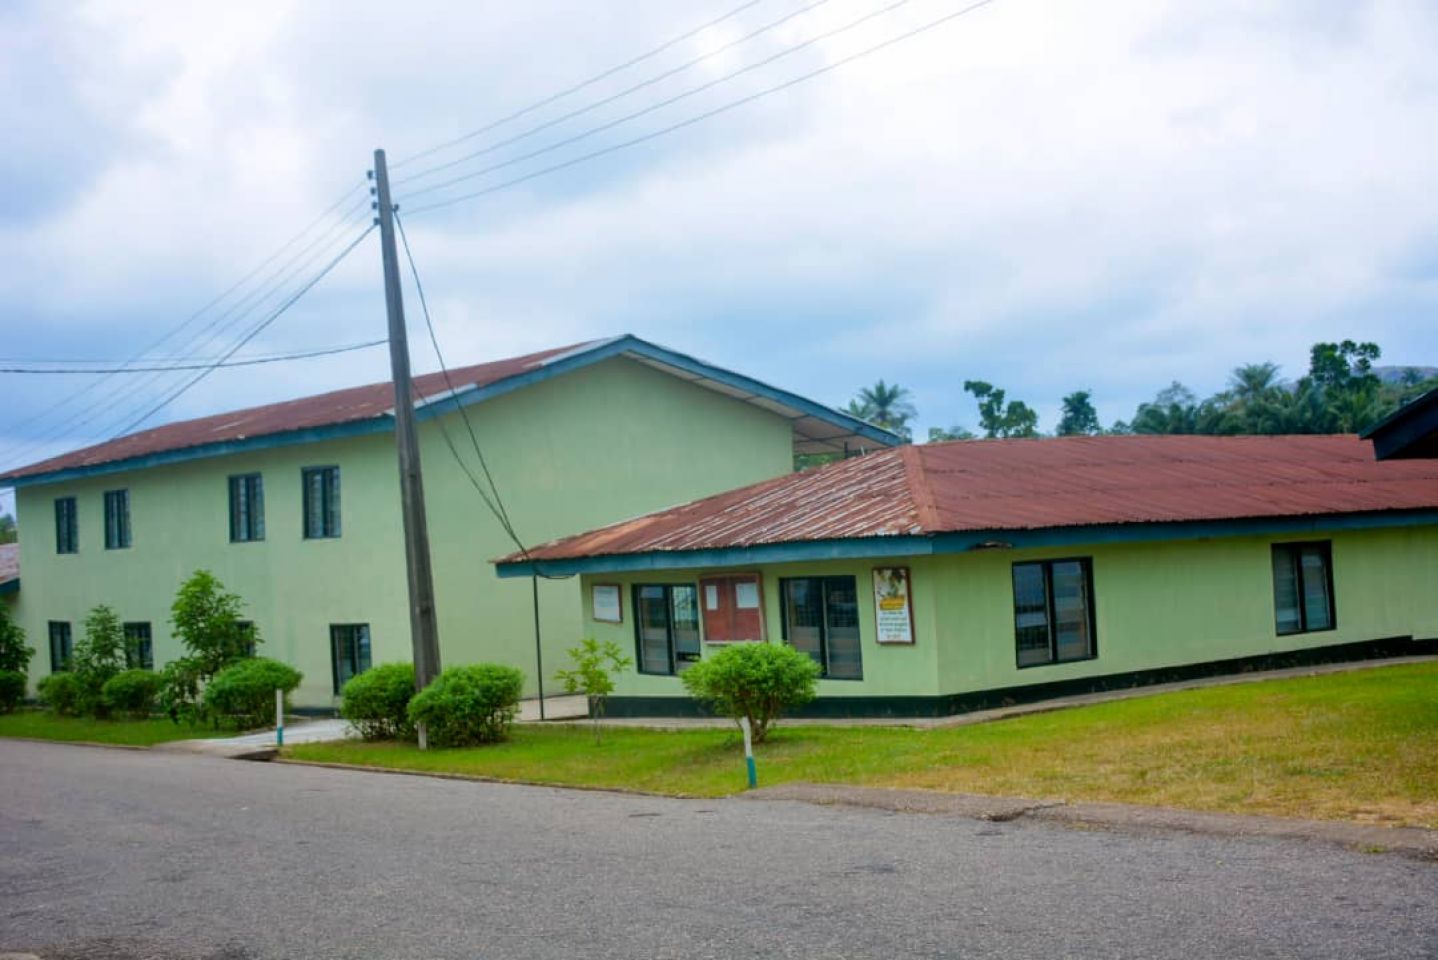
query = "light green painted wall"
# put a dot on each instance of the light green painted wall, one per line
(1156, 605)
(601, 444)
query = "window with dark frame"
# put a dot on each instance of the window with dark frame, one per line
(1303, 587)
(117, 519)
(67, 526)
(321, 502)
(247, 508)
(666, 627)
(349, 651)
(821, 618)
(60, 646)
(1054, 612)
(139, 647)
(247, 630)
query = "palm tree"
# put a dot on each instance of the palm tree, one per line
(885, 405)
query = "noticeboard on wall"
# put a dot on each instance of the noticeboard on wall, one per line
(893, 605)
(607, 604)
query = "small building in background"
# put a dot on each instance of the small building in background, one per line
(933, 579)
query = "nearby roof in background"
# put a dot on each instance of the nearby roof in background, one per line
(1410, 431)
(9, 567)
(369, 409)
(992, 488)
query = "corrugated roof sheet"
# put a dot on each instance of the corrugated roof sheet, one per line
(9, 562)
(325, 409)
(981, 485)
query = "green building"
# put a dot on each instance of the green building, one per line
(295, 505)
(944, 577)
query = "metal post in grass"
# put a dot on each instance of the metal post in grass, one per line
(749, 752)
(279, 717)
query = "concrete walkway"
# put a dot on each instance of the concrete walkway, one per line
(1042, 706)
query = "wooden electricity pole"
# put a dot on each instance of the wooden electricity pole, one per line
(423, 632)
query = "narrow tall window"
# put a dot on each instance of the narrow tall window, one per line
(60, 647)
(349, 650)
(1053, 612)
(67, 526)
(139, 647)
(1303, 587)
(322, 502)
(821, 618)
(117, 519)
(247, 508)
(666, 627)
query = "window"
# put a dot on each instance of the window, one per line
(60, 647)
(67, 526)
(139, 649)
(247, 629)
(247, 508)
(1053, 612)
(733, 608)
(322, 502)
(1303, 587)
(117, 519)
(821, 618)
(349, 648)
(666, 627)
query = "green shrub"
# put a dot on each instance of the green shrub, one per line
(132, 692)
(98, 657)
(590, 674)
(755, 680)
(468, 705)
(14, 654)
(179, 692)
(12, 689)
(244, 693)
(376, 702)
(62, 693)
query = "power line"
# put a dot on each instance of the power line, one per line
(595, 105)
(249, 336)
(552, 98)
(497, 505)
(181, 365)
(692, 91)
(225, 321)
(708, 114)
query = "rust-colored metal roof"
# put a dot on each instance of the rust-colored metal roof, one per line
(322, 410)
(9, 562)
(981, 485)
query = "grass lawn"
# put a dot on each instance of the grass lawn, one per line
(42, 725)
(1354, 746)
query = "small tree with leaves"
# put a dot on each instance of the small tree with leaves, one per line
(206, 618)
(98, 656)
(1000, 419)
(14, 661)
(591, 674)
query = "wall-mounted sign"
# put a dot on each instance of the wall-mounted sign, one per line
(607, 603)
(893, 605)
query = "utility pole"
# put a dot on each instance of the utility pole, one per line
(423, 632)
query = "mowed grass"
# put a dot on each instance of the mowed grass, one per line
(1352, 746)
(41, 725)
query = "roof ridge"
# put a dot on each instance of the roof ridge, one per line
(915, 476)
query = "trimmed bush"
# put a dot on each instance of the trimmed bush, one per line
(12, 689)
(376, 702)
(244, 693)
(62, 693)
(131, 692)
(468, 705)
(755, 680)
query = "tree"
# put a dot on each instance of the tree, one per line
(14, 653)
(98, 656)
(884, 405)
(8, 531)
(997, 419)
(590, 674)
(206, 618)
(1079, 416)
(940, 435)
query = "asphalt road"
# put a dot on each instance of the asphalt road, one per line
(121, 854)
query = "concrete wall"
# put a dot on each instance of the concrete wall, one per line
(601, 444)
(1156, 605)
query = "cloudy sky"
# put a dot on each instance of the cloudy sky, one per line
(1045, 194)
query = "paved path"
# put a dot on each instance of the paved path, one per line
(131, 854)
